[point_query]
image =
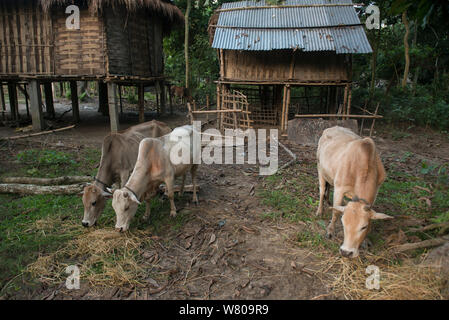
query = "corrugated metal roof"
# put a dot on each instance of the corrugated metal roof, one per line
(313, 28)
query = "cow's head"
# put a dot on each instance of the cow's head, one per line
(94, 200)
(125, 206)
(356, 218)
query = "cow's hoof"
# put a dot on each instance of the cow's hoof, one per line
(173, 214)
(329, 234)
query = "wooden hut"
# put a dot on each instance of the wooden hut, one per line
(276, 59)
(119, 42)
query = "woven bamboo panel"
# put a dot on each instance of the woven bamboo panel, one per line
(235, 100)
(25, 39)
(134, 43)
(79, 52)
(276, 66)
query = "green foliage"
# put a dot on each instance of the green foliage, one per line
(44, 157)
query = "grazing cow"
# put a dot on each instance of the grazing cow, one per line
(118, 157)
(154, 166)
(353, 167)
(182, 93)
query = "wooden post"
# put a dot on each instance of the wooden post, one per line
(26, 100)
(170, 100)
(13, 105)
(120, 98)
(218, 107)
(207, 108)
(103, 98)
(61, 89)
(141, 95)
(36, 106)
(162, 89)
(284, 101)
(48, 89)
(374, 121)
(2, 99)
(113, 107)
(75, 102)
(349, 100)
(287, 105)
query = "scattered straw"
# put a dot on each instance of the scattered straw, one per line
(104, 257)
(347, 278)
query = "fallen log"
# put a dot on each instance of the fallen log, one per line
(35, 189)
(47, 181)
(420, 245)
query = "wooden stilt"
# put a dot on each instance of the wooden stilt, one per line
(13, 104)
(48, 90)
(2, 100)
(287, 106)
(170, 98)
(103, 98)
(141, 95)
(61, 89)
(36, 106)
(113, 107)
(120, 98)
(284, 101)
(162, 90)
(26, 100)
(75, 101)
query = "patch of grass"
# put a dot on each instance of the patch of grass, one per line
(292, 197)
(49, 163)
(404, 194)
(312, 239)
(32, 226)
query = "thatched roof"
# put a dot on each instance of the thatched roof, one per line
(161, 7)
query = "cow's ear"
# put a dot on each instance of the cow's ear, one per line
(338, 208)
(134, 199)
(379, 216)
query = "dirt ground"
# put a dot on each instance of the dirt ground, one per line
(226, 249)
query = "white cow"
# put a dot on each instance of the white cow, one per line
(155, 166)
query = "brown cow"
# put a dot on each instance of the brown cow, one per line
(353, 167)
(182, 93)
(118, 157)
(155, 165)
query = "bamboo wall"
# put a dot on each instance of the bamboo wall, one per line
(114, 43)
(134, 44)
(277, 65)
(79, 52)
(25, 39)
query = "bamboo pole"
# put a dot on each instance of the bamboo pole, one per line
(374, 121)
(37, 134)
(356, 116)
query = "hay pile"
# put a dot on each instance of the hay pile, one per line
(347, 278)
(104, 257)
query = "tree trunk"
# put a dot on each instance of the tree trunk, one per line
(373, 67)
(34, 189)
(46, 181)
(406, 47)
(186, 42)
